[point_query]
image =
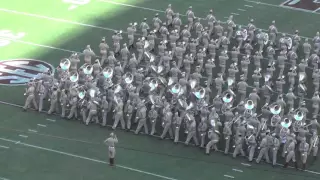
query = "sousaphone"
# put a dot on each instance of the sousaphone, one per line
(227, 97)
(175, 89)
(65, 64)
(275, 109)
(200, 93)
(107, 72)
(74, 77)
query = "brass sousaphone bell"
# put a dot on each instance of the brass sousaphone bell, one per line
(299, 115)
(286, 123)
(275, 109)
(175, 89)
(65, 64)
(249, 105)
(200, 93)
(107, 72)
(74, 77)
(227, 97)
(81, 93)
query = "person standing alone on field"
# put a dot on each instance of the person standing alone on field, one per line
(111, 141)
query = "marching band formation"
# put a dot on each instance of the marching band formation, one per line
(215, 81)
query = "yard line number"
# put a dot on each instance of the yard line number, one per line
(75, 3)
(7, 36)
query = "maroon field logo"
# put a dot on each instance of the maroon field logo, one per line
(303, 5)
(20, 71)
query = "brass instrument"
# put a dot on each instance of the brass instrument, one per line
(228, 96)
(200, 93)
(153, 84)
(74, 77)
(275, 109)
(65, 64)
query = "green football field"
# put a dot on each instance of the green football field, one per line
(34, 146)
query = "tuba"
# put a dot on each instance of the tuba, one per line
(128, 79)
(275, 109)
(65, 64)
(81, 93)
(176, 89)
(87, 69)
(107, 72)
(228, 97)
(299, 122)
(200, 93)
(74, 77)
(286, 123)
(249, 106)
(153, 84)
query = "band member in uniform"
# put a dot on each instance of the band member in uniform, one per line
(111, 141)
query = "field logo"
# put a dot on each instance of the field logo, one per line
(75, 3)
(305, 5)
(21, 71)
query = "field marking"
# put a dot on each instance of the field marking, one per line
(41, 125)
(31, 130)
(235, 14)
(282, 6)
(24, 136)
(285, 2)
(2, 178)
(85, 158)
(39, 45)
(129, 5)
(245, 164)
(228, 176)
(316, 10)
(156, 10)
(237, 170)
(54, 19)
(52, 120)
(248, 6)
(242, 9)
(5, 147)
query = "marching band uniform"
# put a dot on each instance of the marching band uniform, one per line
(166, 124)
(275, 148)
(264, 150)
(291, 154)
(238, 146)
(104, 110)
(141, 117)
(153, 115)
(202, 129)
(227, 133)
(30, 93)
(111, 141)
(118, 116)
(303, 148)
(314, 143)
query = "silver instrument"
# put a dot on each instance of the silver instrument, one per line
(65, 64)
(275, 109)
(200, 92)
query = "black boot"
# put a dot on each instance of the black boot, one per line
(285, 165)
(296, 165)
(111, 161)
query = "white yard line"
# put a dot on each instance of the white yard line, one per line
(86, 158)
(285, 2)
(317, 10)
(54, 19)
(129, 5)
(235, 14)
(228, 176)
(245, 164)
(282, 6)
(237, 170)
(31, 130)
(5, 147)
(2, 178)
(41, 125)
(248, 6)
(52, 120)
(38, 45)
(242, 9)
(24, 136)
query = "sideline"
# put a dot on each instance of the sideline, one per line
(85, 158)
